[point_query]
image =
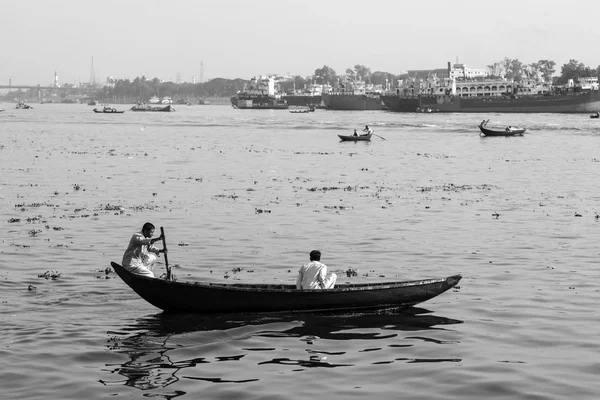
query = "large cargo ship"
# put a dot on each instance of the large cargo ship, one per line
(311, 96)
(260, 94)
(347, 101)
(530, 95)
(570, 102)
(353, 96)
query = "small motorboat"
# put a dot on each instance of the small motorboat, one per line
(597, 115)
(108, 110)
(23, 106)
(508, 131)
(299, 110)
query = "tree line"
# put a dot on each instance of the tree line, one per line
(543, 69)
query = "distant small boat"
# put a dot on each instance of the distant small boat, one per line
(299, 110)
(145, 107)
(358, 138)
(597, 115)
(108, 110)
(23, 106)
(508, 131)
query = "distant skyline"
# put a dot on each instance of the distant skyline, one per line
(240, 39)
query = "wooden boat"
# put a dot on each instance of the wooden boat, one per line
(144, 107)
(299, 110)
(352, 138)
(597, 115)
(506, 132)
(23, 106)
(108, 110)
(194, 297)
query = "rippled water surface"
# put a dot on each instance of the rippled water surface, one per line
(244, 195)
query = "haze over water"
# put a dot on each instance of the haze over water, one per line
(244, 195)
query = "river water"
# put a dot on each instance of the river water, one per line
(244, 195)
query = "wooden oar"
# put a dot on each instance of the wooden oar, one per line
(379, 136)
(164, 240)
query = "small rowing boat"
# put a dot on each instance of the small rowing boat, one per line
(108, 110)
(196, 297)
(508, 131)
(352, 138)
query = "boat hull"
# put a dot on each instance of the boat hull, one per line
(582, 102)
(352, 138)
(172, 296)
(351, 102)
(147, 108)
(108, 111)
(258, 103)
(303, 101)
(491, 132)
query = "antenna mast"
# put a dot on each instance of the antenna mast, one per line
(92, 74)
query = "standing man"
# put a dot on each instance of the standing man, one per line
(140, 255)
(314, 274)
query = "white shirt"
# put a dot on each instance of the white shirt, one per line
(137, 251)
(312, 276)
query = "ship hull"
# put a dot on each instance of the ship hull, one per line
(258, 103)
(352, 102)
(303, 101)
(582, 102)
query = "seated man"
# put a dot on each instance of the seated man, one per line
(140, 255)
(314, 274)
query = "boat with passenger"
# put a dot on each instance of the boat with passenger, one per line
(173, 296)
(21, 105)
(108, 110)
(508, 131)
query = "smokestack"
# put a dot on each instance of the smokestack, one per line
(449, 69)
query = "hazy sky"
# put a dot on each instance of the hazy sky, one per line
(243, 38)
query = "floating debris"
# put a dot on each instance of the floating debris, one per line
(50, 275)
(351, 272)
(109, 207)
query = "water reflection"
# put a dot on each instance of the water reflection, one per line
(148, 341)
